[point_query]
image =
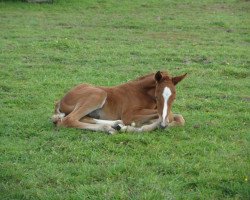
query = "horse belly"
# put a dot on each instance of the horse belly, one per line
(104, 113)
(95, 114)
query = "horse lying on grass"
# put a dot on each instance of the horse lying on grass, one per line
(136, 106)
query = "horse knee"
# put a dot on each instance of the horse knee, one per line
(127, 121)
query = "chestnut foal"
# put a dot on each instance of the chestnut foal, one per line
(129, 106)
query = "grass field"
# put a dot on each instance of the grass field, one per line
(48, 48)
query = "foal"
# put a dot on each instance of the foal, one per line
(109, 108)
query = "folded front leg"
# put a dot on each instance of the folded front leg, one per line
(145, 128)
(139, 117)
(177, 120)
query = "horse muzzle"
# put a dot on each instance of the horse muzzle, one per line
(163, 125)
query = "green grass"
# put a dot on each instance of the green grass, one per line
(48, 48)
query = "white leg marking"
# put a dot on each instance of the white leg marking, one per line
(166, 94)
(145, 128)
(108, 122)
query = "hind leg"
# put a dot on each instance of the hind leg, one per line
(116, 124)
(82, 109)
(139, 117)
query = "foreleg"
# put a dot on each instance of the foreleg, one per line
(178, 120)
(144, 128)
(139, 117)
(116, 124)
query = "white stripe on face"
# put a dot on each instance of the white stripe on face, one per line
(166, 94)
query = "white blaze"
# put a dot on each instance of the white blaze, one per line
(166, 94)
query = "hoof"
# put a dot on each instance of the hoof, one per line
(117, 127)
(57, 117)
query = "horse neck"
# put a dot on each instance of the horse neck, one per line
(146, 85)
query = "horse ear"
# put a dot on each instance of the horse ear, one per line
(158, 76)
(177, 79)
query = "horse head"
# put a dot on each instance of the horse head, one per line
(165, 94)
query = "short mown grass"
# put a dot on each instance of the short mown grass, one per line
(48, 48)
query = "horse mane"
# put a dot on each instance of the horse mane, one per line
(164, 73)
(143, 77)
(146, 81)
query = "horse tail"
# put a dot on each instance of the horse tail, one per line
(58, 115)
